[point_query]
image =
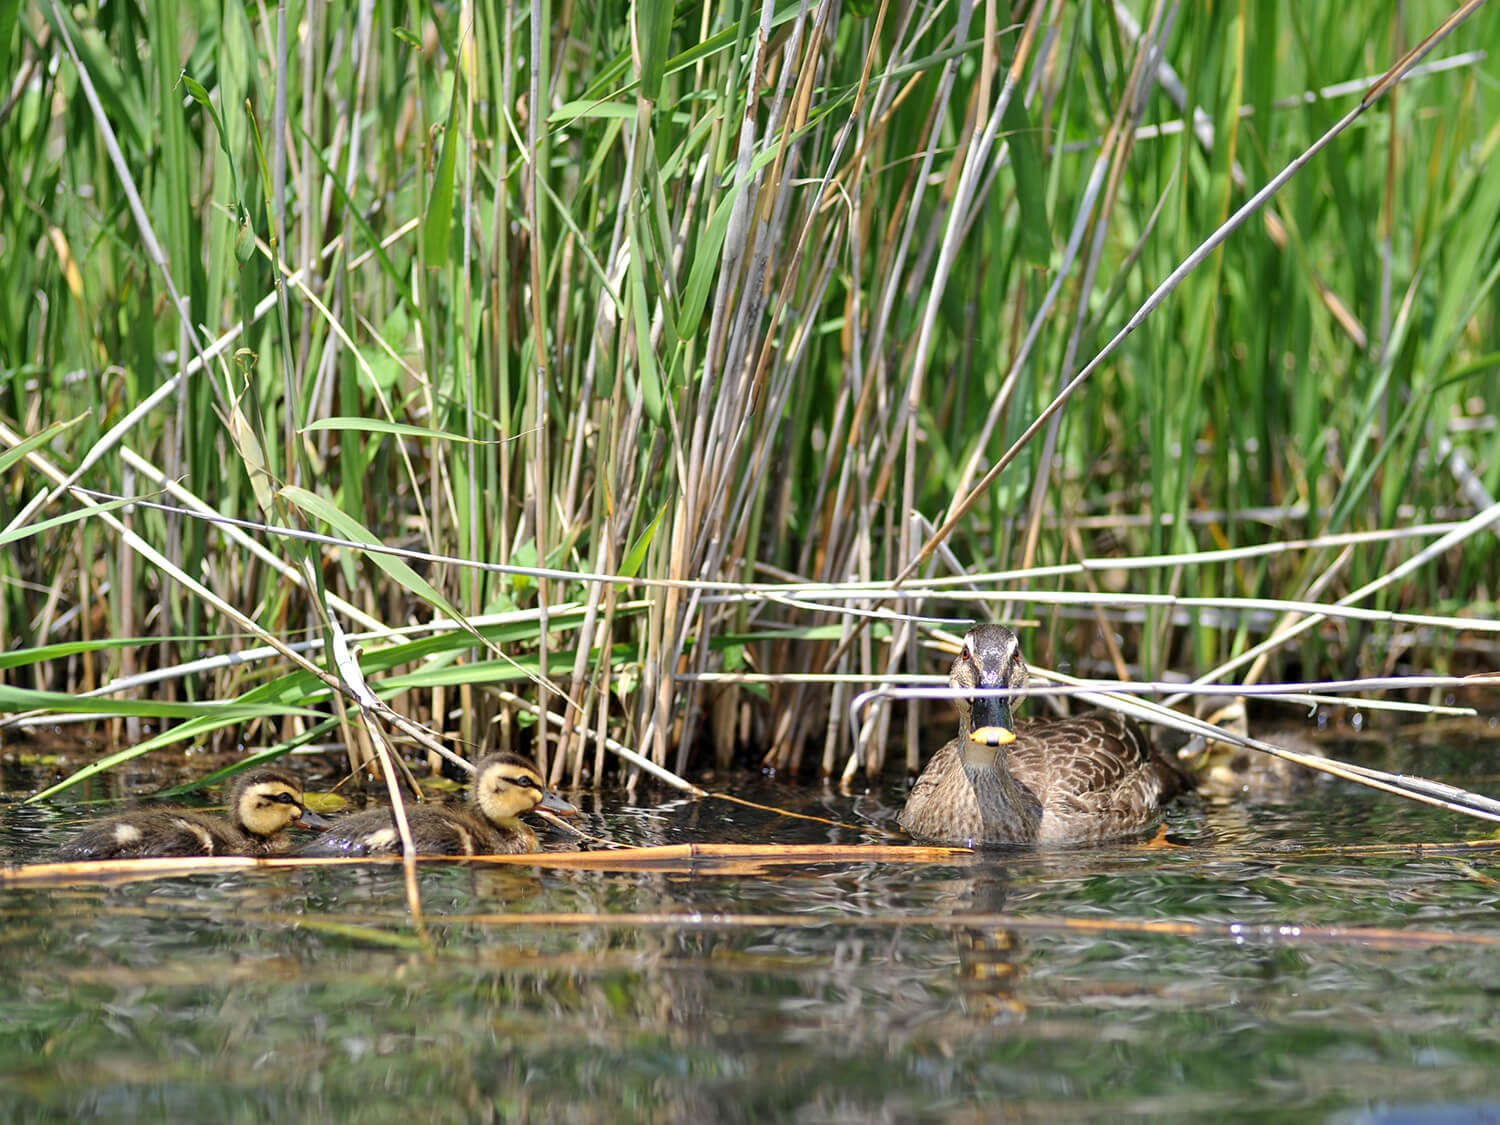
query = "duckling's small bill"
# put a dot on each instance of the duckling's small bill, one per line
(555, 804)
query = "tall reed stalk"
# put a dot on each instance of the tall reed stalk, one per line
(631, 301)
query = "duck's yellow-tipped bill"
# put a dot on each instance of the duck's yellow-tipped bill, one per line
(992, 736)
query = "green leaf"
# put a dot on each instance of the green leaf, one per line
(20, 657)
(637, 552)
(381, 426)
(705, 266)
(1031, 192)
(439, 218)
(29, 699)
(8, 12)
(11, 456)
(200, 95)
(583, 110)
(31, 529)
(653, 31)
(345, 525)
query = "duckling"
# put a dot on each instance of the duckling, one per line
(261, 803)
(1228, 771)
(505, 786)
(1067, 781)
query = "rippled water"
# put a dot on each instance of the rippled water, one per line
(1014, 985)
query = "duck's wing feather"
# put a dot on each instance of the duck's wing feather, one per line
(1095, 774)
(1089, 753)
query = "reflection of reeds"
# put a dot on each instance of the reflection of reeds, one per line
(785, 299)
(963, 904)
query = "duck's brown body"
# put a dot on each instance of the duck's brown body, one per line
(1072, 781)
(1079, 780)
(505, 786)
(261, 803)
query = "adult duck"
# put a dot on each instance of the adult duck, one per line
(1078, 780)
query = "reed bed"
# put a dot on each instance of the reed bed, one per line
(636, 384)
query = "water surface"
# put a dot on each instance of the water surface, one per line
(1019, 984)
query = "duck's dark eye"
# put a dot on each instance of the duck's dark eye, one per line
(284, 799)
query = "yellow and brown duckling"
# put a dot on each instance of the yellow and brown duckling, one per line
(1227, 771)
(261, 802)
(504, 787)
(1066, 781)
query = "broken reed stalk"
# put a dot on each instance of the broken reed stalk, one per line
(669, 857)
(705, 859)
(744, 859)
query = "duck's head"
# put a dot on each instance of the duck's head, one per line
(507, 785)
(990, 658)
(264, 801)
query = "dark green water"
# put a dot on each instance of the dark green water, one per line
(302, 995)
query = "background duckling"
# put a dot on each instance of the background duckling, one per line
(1228, 771)
(505, 786)
(261, 803)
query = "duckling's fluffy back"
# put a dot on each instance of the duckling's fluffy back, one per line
(272, 796)
(504, 786)
(446, 830)
(155, 832)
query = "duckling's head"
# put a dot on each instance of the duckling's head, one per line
(990, 658)
(264, 801)
(1221, 765)
(1228, 713)
(507, 785)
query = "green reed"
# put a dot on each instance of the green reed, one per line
(721, 294)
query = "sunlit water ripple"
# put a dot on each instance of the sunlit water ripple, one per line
(304, 995)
